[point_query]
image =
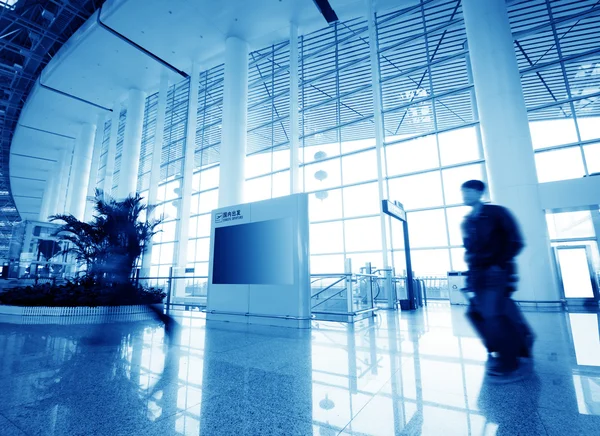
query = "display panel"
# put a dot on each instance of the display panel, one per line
(254, 253)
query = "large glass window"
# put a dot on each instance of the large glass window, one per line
(432, 140)
(205, 181)
(557, 44)
(148, 136)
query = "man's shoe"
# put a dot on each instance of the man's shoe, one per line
(501, 375)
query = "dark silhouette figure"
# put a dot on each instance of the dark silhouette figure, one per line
(492, 240)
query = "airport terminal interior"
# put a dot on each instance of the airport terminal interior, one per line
(301, 162)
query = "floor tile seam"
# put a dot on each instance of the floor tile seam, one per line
(14, 424)
(364, 406)
(537, 413)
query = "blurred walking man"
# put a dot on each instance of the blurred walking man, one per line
(492, 240)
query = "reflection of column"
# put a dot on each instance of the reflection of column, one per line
(181, 259)
(235, 115)
(507, 140)
(132, 144)
(156, 156)
(294, 127)
(379, 137)
(111, 152)
(395, 364)
(80, 174)
(89, 207)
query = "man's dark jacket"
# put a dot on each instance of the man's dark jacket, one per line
(491, 238)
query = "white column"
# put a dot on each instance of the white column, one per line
(379, 137)
(235, 116)
(55, 186)
(80, 173)
(294, 116)
(132, 144)
(63, 180)
(507, 141)
(156, 156)
(188, 171)
(49, 194)
(111, 153)
(89, 206)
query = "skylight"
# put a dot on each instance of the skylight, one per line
(9, 4)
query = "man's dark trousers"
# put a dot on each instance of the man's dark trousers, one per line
(496, 317)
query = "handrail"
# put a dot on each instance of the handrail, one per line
(259, 315)
(358, 312)
(173, 277)
(328, 298)
(331, 275)
(328, 287)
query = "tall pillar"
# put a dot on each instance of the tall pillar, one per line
(80, 173)
(235, 116)
(379, 137)
(49, 194)
(156, 156)
(132, 144)
(54, 187)
(111, 153)
(63, 180)
(188, 171)
(89, 207)
(507, 141)
(294, 115)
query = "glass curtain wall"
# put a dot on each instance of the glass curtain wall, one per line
(268, 144)
(147, 148)
(432, 139)
(119, 153)
(170, 179)
(557, 44)
(339, 162)
(103, 155)
(205, 181)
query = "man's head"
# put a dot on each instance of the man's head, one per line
(472, 191)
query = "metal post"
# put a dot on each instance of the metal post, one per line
(369, 271)
(348, 271)
(169, 288)
(391, 290)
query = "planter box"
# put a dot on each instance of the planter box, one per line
(74, 315)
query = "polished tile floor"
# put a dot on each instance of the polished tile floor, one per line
(399, 373)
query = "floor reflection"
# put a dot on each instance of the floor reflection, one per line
(407, 373)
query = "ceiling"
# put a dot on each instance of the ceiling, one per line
(31, 33)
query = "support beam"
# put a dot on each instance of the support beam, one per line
(80, 173)
(507, 141)
(235, 116)
(379, 136)
(89, 207)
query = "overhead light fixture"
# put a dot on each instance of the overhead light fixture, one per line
(18, 67)
(48, 15)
